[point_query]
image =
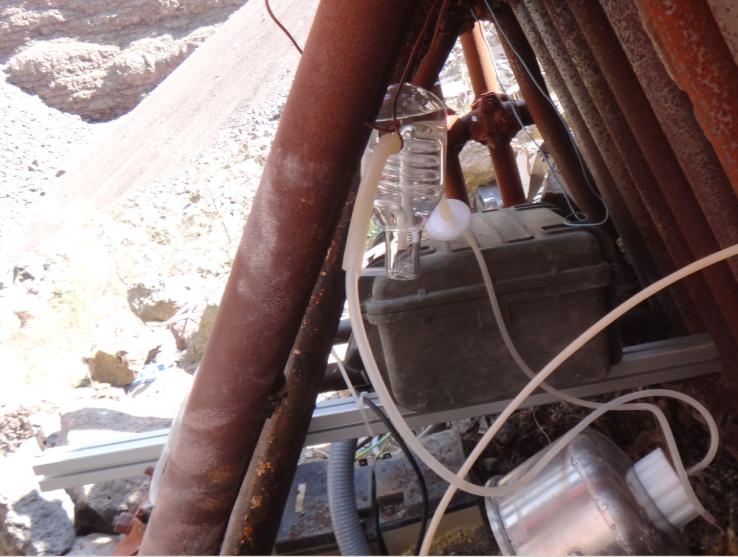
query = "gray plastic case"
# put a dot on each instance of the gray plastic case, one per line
(436, 339)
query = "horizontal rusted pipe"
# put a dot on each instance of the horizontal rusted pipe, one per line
(255, 518)
(690, 42)
(315, 155)
(632, 101)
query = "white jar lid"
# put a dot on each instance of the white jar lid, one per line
(660, 481)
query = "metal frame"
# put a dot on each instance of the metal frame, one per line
(642, 365)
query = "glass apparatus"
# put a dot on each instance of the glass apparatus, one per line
(412, 180)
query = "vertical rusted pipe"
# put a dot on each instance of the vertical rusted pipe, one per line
(565, 42)
(544, 115)
(458, 135)
(647, 131)
(676, 117)
(321, 136)
(597, 140)
(478, 61)
(690, 42)
(444, 35)
(255, 518)
(482, 75)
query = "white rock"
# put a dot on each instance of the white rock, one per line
(79, 59)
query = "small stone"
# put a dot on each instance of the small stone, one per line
(110, 368)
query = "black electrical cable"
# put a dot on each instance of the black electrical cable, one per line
(413, 463)
(375, 516)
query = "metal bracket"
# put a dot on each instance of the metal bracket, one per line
(642, 365)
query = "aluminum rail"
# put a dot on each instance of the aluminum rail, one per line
(642, 365)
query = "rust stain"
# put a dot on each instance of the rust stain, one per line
(264, 467)
(247, 531)
(256, 501)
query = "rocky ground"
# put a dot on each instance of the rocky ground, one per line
(103, 325)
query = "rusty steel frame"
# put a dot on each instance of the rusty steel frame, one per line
(649, 254)
(270, 322)
(565, 40)
(544, 115)
(593, 96)
(256, 515)
(333, 98)
(482, 75)
(678, 191)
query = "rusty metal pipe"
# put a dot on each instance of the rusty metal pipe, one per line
(544, 115)
(674, 111)
(285, 240)
(426, 76)
(482, 74)
(458, 135)
(478, 61)
(255, 518)
(453, 20)
(679, 196)
(564, 40)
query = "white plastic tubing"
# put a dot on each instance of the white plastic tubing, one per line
(389, 144)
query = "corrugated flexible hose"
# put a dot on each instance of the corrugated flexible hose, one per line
(342, 500)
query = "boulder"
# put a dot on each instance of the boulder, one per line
(477, 165)
(32, 522)
(96, 506)
(96, 422)
(197, 341)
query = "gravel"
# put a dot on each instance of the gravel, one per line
(37, 144)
